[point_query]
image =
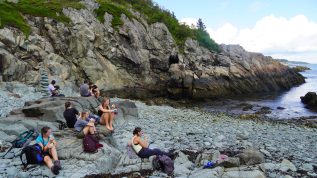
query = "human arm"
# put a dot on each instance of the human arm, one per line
(143, 143)
(104, 110)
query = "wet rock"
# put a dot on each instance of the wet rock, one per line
(310, 99)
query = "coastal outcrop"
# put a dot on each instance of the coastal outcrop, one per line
(136, 60)
(310, 100)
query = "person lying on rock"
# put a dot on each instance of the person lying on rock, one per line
(107, 113)
(84, 89)
(70, 114)
(141, 147)
(48, 143)
(84, 127)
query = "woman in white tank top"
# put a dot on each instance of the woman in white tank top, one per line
(141, 146)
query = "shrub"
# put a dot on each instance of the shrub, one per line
(11, 14)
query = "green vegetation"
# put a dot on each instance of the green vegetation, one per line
(11, 14)
(112, 8)
(154, 13)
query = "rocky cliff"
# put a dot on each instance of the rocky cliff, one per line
(138, 58)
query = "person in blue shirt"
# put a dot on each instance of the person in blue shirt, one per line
(48, 143)
(84, 125)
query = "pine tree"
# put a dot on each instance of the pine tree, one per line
(201, 25)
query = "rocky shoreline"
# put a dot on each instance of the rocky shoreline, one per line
(288, 150)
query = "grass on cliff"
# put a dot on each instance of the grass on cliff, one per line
(12, 14)
(154, 13)
(114, 9)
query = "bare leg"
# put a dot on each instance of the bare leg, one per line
(92, 130)
(107, 117)
(53, 152)
(111, 120)
(86, 130)
(48, 161)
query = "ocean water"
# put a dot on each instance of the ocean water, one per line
(290, 100)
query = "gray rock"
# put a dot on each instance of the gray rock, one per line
(286, 165)
(251, 157)
(244, 174)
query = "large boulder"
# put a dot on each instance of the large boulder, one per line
(51, 109)
(310, 99)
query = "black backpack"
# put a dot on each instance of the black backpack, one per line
(32, 154)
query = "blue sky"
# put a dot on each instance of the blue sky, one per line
(229, 21)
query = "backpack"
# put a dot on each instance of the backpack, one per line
(164, 163)
(24, 139)
(32, 155)
(91, 144)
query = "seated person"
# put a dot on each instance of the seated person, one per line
(49, 144)
(84, 89)
(141, 146)
(95, 91)
(106, 113)
(51, 87)
(54, 89)
(70, 115)
(83, 127)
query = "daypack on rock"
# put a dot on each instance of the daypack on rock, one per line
(24, 138)
(164, 163)
(91, 144)
(31, 154)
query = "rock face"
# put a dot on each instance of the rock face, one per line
(137, 60)
(310, 99)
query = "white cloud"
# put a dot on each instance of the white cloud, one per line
(294, 38)
(189, 21)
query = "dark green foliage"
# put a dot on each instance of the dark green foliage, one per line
(11, 14)
(154, 13)
(114, 9)
(201, 25)
(202, 36)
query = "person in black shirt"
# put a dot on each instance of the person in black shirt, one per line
(70, 115)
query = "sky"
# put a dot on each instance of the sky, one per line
(285, 29)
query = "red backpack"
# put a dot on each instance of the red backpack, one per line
(91, 144)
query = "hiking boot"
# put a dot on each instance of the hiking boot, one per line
(57, 164)
(55, 170)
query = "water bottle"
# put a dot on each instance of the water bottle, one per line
(209, 164)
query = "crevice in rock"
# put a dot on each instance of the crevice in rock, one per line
(173, 59)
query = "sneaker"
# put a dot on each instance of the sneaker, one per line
(55, 170)
(57, 163)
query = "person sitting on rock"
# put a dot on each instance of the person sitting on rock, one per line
(70, 115)
(141, 147)
(49, 145)
(54, 89)
(84, 89)
(51, 88)
(106, 113)
(84, 127)
(95, 91)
